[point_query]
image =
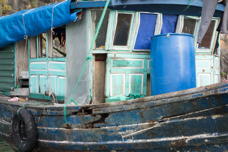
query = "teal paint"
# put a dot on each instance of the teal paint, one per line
(7, 68)
(125, 63)
(126, 75)
(47, 75)
(41, 96)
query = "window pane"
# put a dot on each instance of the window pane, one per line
(122, 29)
(59, 42)
(206, 42)
(189, 25)
(42, 45)
(100, 41)
(146, 30)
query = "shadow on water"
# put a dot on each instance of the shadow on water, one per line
(4, 147)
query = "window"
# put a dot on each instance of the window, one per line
(101, 38)
(189, 25)
(58, 43)
(169, 24)
(51, 44)
(38, 46)
(146, 31)
(42, 45)
(207, 40)
(122, 29)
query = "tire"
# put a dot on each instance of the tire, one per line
(24, 131)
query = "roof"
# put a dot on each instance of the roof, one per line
(185, 7)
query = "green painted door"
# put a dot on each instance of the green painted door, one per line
(7, 68)
(47, 75)
(126, 76)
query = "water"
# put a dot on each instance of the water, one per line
(4, 147)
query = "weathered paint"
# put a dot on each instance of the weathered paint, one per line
(188, 120)
(7, 68)
(47, 75)
(126, 75)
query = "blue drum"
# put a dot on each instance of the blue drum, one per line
(172, 63)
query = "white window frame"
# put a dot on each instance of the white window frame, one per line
(214, 35)
(113, 19)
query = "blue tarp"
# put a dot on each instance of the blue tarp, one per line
(33, 22)
(169, 24)
(146, 30)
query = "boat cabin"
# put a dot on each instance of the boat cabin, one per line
(63, 64)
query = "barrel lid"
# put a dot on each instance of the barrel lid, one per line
(173, 34)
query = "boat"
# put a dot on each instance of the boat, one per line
(72, 80)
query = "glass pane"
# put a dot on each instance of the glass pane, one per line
(206, 42)
(100, 41)
(122, 29)
(59, 43)
(189, 25)
(42, 45)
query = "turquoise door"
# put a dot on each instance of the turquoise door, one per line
(126, 76)
(47, 75)
(7, 68)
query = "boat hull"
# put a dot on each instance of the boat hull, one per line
(191, 120)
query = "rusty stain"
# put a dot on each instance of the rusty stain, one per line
(178, 143)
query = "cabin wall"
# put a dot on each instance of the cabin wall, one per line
(7, 68)
(78, 38)
(21, 60)
(127, 64)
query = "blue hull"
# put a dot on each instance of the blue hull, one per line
(190, 120)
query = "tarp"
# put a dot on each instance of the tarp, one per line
(146, 30)
(208, 10)
(169, 24)
(35, 21)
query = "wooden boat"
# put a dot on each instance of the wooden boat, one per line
(60, 94)
(191, 120)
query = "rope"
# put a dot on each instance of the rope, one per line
(189, 5)
(88, 58)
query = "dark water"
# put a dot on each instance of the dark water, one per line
(4, 147)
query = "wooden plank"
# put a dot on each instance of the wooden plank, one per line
(6, 62)
(6, 80)
(99, 81)
(6, 86)
(7, 74)
(7, 56)
(6, 67)
(128, 63)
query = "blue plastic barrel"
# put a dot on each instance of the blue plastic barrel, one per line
(172, 63)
